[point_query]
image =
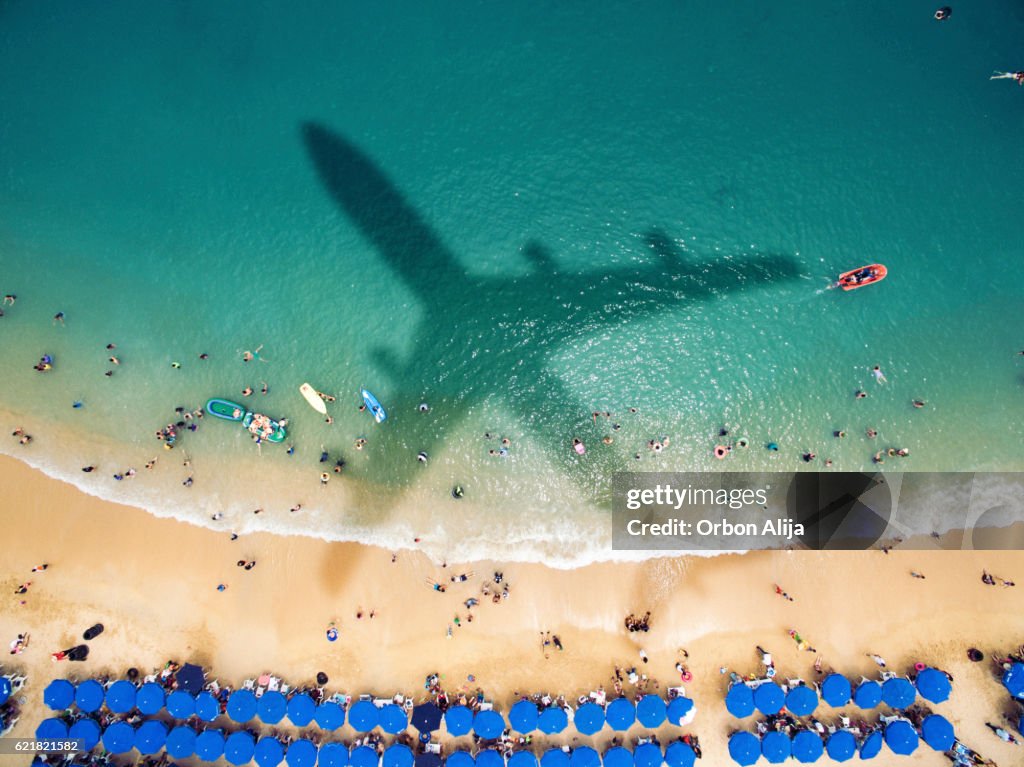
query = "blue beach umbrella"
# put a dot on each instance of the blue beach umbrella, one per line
(89, 696)
(426, 717)
(459, 759)
(769, 698)
(271, 707)
(933, 685)
(868, 694)
(589, 718)
(301, 753)
(872, 745)
(678, 709)
(150, 698)
(490, 758)
(841, 745)
(647, 755)
(620, 715)
(329, 716)
(207, 707)
(650, 711)
(121, 697)
(522, 717)
(181, 742)
(87, 731)
(302, 709)
(239, 748)
(5, 691)
(180, 704)
(398, 756)
(428, 760)
(58, 695)
(242, 706)
(53, 729)
(150, 737)
(190, 678)
(739, 701)
(363, 716)
(898, 693)
(522, 759)
(618, 757)
(332, 755)
(488, 725)
(1013, 680)
(938, 732)
(776, 747)
(901, 737)
(458, 720)
(553, 757)
(835, 690)
(744, 748)
(119, 738)
(552, 720)
(363, 756)
(584, 756)
(268, 752)
(802, 700)
(393, 719)
(807, 747)
(679, 754)
(210, 745)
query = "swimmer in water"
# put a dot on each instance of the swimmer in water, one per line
(424, 407)
(248, 356)
(918, 403)
(860, 394)
(58, 317)
(204, 356)
(808, 457)
(115, 361)
(421, 457)
(943, 13)
(264, 388)
(876, 371)
(839, 434)
(9, 299)
(246, 391)
(872, 433)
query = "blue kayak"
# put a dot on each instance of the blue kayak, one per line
(375, 408)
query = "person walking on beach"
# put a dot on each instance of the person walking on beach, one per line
(878, 659)
(40, 568)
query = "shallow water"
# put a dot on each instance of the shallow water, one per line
(519, 216)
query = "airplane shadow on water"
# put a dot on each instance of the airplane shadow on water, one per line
(498, 332)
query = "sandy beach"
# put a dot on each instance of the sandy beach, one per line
(152, 583)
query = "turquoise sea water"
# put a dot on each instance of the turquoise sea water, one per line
(518, 215)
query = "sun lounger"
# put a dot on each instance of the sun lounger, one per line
(486, 705)
(381, 702)
(433, 748)
(409, 704)
(249, 684)
(274, 684)
(366, 697)
(887, 675)
(285, 689)
(677, 692)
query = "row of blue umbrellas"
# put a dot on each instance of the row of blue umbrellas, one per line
(807, 746)
(897, 693)
(271, 707)
(241, 748)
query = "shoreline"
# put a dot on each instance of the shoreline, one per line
(417, 518)
(151, 582)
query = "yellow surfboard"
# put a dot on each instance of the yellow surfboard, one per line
(313, 398)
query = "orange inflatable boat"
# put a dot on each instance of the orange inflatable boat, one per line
(858, 278)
